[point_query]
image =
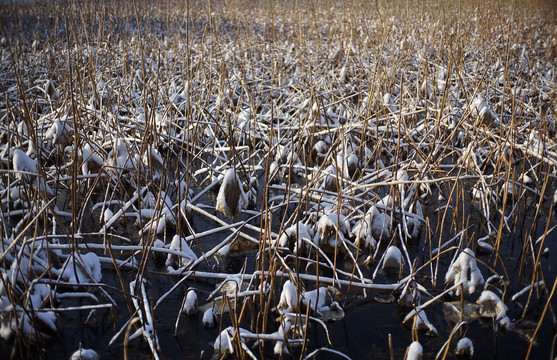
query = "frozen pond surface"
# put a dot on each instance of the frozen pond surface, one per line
(332, 179)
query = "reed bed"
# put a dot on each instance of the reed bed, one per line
(254, 172)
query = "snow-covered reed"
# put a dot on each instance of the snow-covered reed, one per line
(344, 152)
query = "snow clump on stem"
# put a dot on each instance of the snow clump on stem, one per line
(465, 270)
(231, 198)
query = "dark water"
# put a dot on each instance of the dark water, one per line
(363, 333)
